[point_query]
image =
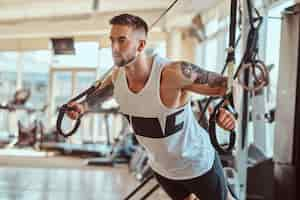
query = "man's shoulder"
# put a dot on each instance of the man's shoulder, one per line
(172, 67)
(171, 74)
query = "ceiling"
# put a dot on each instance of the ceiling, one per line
(39, 20)
(16, 12)
(29, 9)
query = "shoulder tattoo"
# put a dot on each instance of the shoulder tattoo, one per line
(213, 79)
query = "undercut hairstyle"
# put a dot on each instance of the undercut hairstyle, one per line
(132, 21)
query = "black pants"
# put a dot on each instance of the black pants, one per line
(209, 186)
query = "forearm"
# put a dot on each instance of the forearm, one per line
(205, 90)
(95, 99)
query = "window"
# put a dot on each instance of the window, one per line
(8, 75)
(211, 53)
(105, 61)
(86, 55)
(35, 68)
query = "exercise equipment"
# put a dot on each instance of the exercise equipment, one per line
(229, 64)
(30, 134)
(213, 135)
(141, 170)
(138, 165)
(121, 153)
(17, 103)
(140, 186)
(85, 149)
(27, 136)
(20, 98)
(249, 62)
(49, 135)
(122, 148)
(88, 93)
(250, 161)
(94, 150)
(65, 108)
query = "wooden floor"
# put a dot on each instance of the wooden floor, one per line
(65, 178)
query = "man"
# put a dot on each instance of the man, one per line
(153, 94)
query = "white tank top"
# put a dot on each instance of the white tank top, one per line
(178, 147)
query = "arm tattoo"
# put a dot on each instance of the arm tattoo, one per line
(95, 99)
(203, 76)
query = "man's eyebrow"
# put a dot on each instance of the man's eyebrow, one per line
(121, 37)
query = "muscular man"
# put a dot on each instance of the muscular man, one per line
(153, 95)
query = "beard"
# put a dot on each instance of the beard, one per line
(121, 62)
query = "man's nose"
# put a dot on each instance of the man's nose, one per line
(115, 47)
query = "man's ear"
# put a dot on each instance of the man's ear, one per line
(142, 45)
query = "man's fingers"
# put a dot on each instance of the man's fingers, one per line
(226, 120)
(71, 104)
(229, 125)
(222, 114)
(224, 117)
(75, 106)
(73, 115)
(232, 126)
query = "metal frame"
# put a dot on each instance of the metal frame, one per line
(286, 147)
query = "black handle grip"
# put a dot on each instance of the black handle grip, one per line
(61, 114)
(213, 136)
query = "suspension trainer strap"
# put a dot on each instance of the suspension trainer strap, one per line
(229, 65)
(65, 108)
(163, 14)
(230, 61)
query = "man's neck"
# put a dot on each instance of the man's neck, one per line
(140, 70)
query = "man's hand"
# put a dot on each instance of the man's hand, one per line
(226, 120)
(77, 109)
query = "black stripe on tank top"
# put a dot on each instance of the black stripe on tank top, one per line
(150, 127)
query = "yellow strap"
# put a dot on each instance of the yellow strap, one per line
(230, 74)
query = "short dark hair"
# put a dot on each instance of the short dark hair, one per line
(130, 20)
